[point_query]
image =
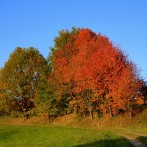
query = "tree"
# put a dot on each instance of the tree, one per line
(98, 75)
(59, 57)
(144, 91)
(22, 74)
(5, 103)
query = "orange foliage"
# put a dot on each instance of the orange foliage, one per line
(91, 62)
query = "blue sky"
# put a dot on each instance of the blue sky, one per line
(35, 23)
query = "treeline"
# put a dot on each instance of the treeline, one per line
(84, 74)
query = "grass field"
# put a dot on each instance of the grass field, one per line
(69, 132)
(43, 136)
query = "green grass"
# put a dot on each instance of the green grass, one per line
(43, 136)
(81, 136)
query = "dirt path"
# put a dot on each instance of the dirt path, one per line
(132, 138)
(136, 143)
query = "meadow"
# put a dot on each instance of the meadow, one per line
(37, 136)
(68, 131)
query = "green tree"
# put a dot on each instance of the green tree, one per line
(22, 74)
(4, 100)
(62, 87)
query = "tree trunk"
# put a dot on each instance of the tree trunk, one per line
(91, 113)
(26, 115)
(130, 115)
(130, 112)
(110, 111)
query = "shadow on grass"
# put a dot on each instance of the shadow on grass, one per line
(143, 139)
(107, 143)
(6, 134)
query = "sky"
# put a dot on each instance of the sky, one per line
(35, 23)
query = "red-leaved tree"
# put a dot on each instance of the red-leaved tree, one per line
(96, 74)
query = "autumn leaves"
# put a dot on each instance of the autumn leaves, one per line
(84, 73)
(101, 77)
